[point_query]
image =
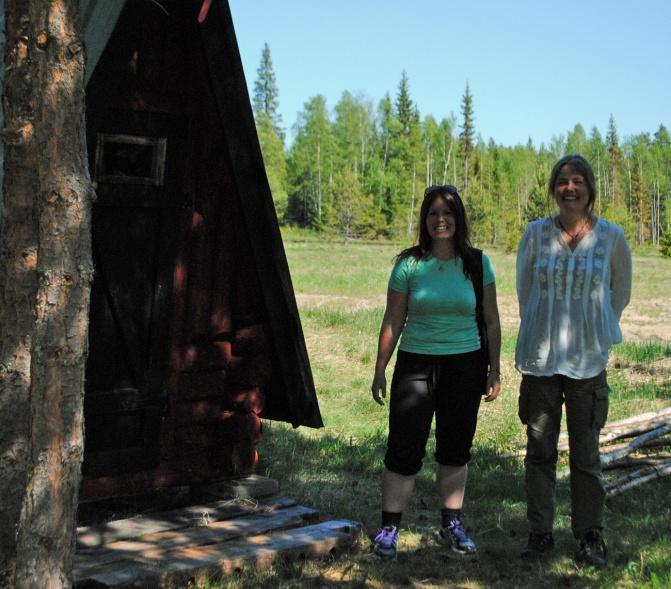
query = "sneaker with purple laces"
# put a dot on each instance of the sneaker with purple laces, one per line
(385, 542)
(455, 537)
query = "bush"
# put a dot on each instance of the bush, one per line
(665, 244)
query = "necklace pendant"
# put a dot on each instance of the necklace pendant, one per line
(440, 267)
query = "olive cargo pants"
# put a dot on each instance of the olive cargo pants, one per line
(540, 408)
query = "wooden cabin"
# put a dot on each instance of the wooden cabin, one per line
(194, 333)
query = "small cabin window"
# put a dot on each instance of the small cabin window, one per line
(130, 159)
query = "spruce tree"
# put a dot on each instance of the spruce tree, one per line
(271, 135)
(404, 105)
(665, 244)
(538, 204)
(466, 136)
(266, 94)
(406, 161)
(598, 157)
(663, 137)
(615, 155)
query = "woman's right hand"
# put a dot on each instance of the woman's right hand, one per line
(395, 314)
(379, 388)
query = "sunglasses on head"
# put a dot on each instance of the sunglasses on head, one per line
(441, 189)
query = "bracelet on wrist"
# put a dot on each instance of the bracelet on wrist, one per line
(495, 370)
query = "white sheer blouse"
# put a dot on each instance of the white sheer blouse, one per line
(570, 301)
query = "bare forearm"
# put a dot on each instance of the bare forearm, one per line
(393, 321)
(493, 326)
(392, 325)
(494, 341)
(387, 341)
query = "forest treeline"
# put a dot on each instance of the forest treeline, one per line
(360, 170)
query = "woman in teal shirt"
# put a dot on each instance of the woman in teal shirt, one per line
(440, 366)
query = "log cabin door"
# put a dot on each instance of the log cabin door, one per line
(135, 161)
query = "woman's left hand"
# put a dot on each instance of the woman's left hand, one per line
(493, 386)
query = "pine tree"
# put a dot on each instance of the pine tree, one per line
(404, 106)
(268, 126)
(45, 277)
(406, 163)
(665, 244)
(537, 205)
(615, 155)
(597, 156)
(663, 137)
(266, 94)
(467, 134)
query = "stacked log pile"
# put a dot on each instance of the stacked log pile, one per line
(648, 435)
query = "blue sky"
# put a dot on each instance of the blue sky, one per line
(535, 68)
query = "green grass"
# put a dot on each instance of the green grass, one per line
(642, 352)
(337, 469)
(317, 268)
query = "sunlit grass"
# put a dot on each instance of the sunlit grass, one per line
(644, 352)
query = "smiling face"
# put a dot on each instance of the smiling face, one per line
(440, 220)
(571, 191)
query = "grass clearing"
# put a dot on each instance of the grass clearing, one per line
(337, 469)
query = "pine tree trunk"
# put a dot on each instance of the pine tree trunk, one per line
(45, 277)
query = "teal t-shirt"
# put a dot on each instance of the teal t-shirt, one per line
(441, 305)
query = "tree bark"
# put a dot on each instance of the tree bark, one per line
(614, 430)
(613, 455)
(656, 417)
(638, 477)
(45, 277)
(637, 461)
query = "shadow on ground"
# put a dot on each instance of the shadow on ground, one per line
(340, 477)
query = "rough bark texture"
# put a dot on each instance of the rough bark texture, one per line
(45, 276)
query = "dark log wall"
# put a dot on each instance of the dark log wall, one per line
(221, 360)
(220, 364)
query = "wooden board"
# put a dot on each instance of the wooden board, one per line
(201, 562)
(155, 547)
(126, 529)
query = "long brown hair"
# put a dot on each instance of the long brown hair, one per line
(462, 241)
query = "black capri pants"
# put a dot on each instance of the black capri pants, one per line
(451, 387)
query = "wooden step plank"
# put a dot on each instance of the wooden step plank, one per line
(199, 563)
(125, 529)
(150, 547)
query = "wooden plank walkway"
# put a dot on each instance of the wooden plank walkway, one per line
(200, 541)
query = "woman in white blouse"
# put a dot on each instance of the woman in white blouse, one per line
(573, 282)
